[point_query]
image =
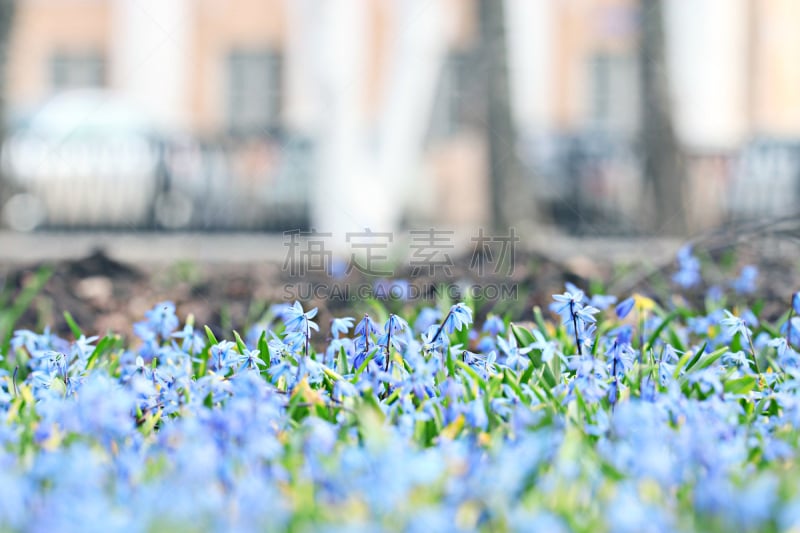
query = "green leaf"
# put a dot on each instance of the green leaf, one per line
(332, 374)
(239, 342)
(471, 373)
(548, 377)
(10, 315)
(708, 359)
(689, 360)
(370, 401)
(582, 408)
(664, 323)
(210, 336)
(343, 361)
(555, 368)
(528, 374)
(510, 379)
(263, 349)
(540, 323)
(150, 422)
(73, 326)
(741, 385)
(611, 472)
(370, 356)
(675, 340)
(523, 336)
(450, 362)
(101, 347)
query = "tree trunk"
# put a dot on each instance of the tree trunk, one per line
(663, 164)
(511, 198)
(7, 8)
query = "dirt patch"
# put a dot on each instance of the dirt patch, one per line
(103, 294)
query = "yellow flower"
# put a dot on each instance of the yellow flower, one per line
(643, 303)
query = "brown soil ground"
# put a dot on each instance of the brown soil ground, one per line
(103, 294)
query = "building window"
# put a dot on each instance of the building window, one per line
(614, 97)
(77, 70)
(254, 91)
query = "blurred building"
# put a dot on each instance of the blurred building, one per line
(259, 104)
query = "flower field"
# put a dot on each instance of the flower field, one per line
(601, 414)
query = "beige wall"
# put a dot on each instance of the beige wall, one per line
(776, 76)
(43, 27)
(221, 25)
(580, 29)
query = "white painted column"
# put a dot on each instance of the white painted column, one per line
(364, 169)
(338, 29)
(707, 60)
(531, 31)
(302, 65)
(414, 58)
(151, 56)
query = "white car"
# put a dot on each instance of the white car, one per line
(86, 158)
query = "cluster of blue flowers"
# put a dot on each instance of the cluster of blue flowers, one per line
(618, 416)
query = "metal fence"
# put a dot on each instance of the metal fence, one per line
(137, 183)
(592, 185)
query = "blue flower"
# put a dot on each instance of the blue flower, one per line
(547, 348)
(792, 326)
(367, 327)
(223, 356)
(340, 326)
(738, 359)
(427, 317)
(82, 348)
(459, 317)
(363, 354)
(590, 379)
(193, 343)
(281, 369)
(398, 289)
(395, 325)
(714, 293)
(364, 331)
(567, 301)
(161, 321)
(494, 325)
(486, 345)
(688, 274)
(621, 356)
(578, 319)
(781, 345)
(334, 349)
(250, 359)
(393, 332)
(573, 289)
(296, 319)
(602, 301)
(514, 354)
(433, 339)
(624, 308)
(708, 380)
(734, 325)
(298, 327)
(586, 314)
(746, 282)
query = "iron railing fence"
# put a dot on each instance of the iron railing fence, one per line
(588, 184)
(132, 183)
(592, 185)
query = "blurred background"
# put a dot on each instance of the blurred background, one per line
(169, 149)
(588, 117)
